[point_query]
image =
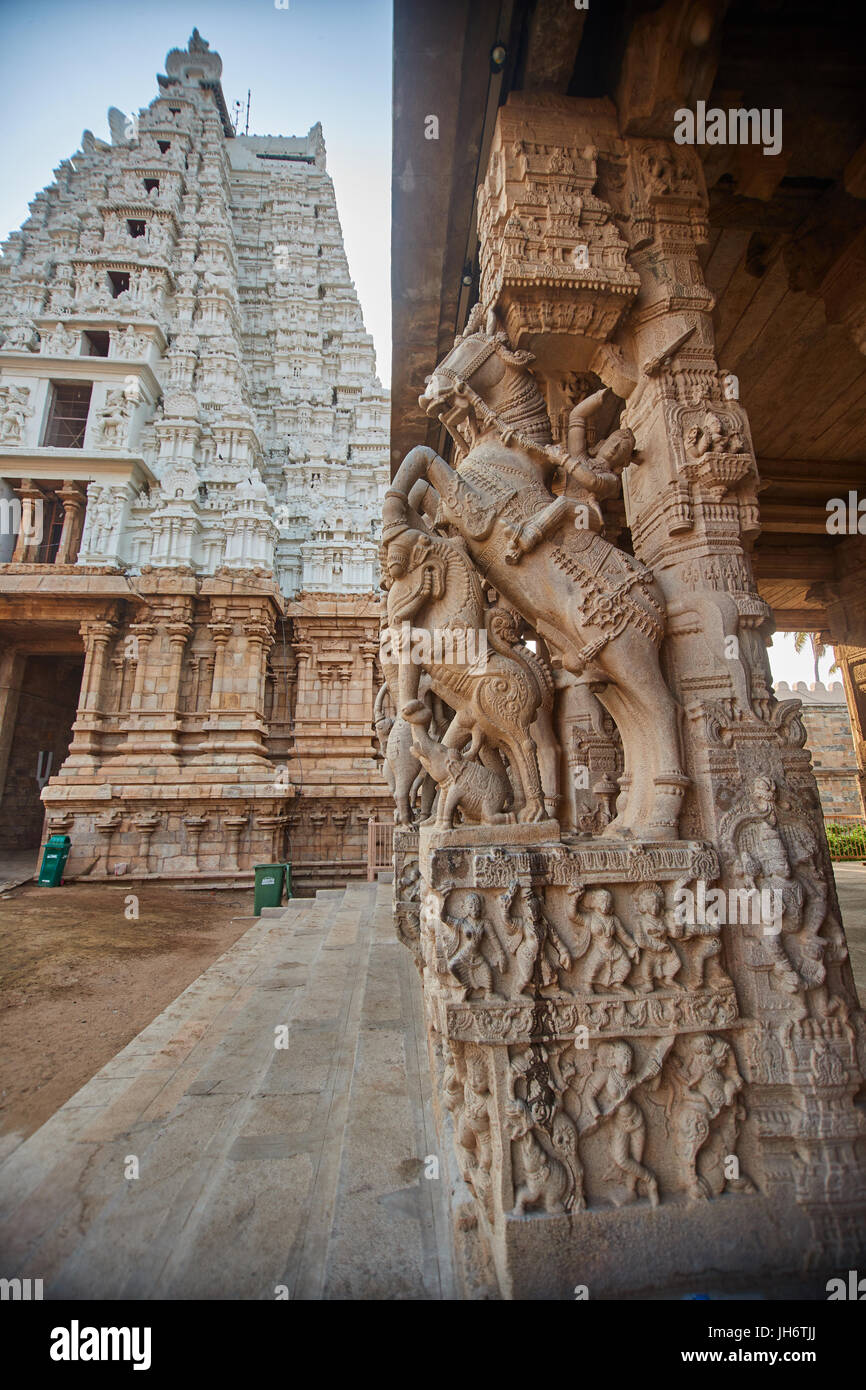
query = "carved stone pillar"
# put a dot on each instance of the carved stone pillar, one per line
(220, 630)
(194, 826)
(74, 501)
(97, 635)
(12, 663)
(304, 665)
(284, 668)
(142, 634)
(233, 825)
(146, 822)
(369, 651)
(846, 611)
(30, 535)
(276, 825)
(242, 628)
(106, 825)
(852, 661)
(259, 634)
(650, 1027)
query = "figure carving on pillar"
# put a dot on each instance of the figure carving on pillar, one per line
(15, 411)
(402, 769)
(465, 951)
(703, 1112)
(597, 609)
(777, 859)
(659, 961)
(604, 946)
(432, 583)
(543, 1134)
(113, 419)
(542, 1180)
(473, 1122)
(608, 1097)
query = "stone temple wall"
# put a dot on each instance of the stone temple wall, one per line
(193, 455)
(831, 741)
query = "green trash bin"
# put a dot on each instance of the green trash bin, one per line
(269, 886)
(54, 859)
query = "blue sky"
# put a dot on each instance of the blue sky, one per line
(63, 64)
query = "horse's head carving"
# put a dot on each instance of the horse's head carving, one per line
(483, 383)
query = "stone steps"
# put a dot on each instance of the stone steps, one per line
(260, 1168)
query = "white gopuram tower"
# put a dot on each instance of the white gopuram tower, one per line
(193, 455)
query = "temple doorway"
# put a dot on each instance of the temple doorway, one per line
(39, 714)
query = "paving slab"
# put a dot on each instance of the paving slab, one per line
(259, 1167)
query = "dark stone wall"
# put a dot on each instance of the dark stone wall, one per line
(43, 725)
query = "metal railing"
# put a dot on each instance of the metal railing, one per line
(380, 847)
(846, 836)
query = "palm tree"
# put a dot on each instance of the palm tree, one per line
(819, 651)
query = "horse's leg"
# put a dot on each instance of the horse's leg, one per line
(547, 744)
(634, 719)
(645, 710)
(521, 753)
(403, 768)
(615, 701)
(632, 661)
(427, 797)
(518, 800)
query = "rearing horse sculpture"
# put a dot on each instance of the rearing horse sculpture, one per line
(599, 610)
(431, 581)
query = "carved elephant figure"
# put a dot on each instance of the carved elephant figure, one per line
(480, 792)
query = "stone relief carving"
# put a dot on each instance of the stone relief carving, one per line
(465, 949)
(21, 336)
(496, 520)
(606, 950)
(701, 1086)
(623, 1053)
(608, 1100)
(112, 420)
(406, 778)
(496, 695)
(15, 411)
(61, 341)
(777, 856)
(466, 1092)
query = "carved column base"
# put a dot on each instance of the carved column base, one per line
(598, 1087)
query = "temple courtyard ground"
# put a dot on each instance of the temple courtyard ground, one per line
(266, 1135)
(79, 979)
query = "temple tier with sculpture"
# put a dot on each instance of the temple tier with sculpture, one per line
(631, 1084)
(194, 439)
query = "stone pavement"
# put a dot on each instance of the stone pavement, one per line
(260, 1168)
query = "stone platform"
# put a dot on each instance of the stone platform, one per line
(263, 1172)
